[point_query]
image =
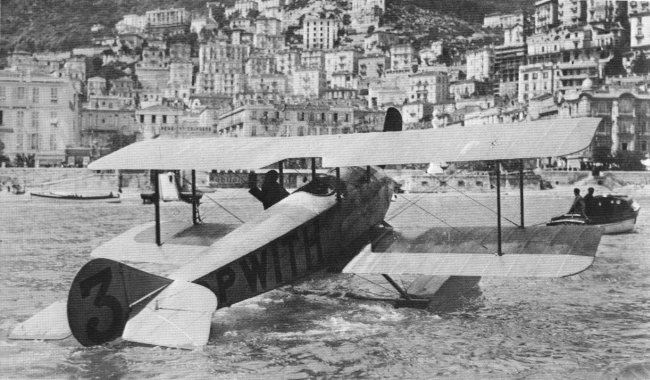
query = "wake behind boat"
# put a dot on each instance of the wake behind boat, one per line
(614, 214)
(70, 196)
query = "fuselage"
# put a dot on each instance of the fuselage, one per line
(304, 233)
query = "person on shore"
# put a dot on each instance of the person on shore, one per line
(589, 202)
(578, 206)
(271, 193)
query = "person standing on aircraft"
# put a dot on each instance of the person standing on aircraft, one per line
(271, 193)
(578, 206)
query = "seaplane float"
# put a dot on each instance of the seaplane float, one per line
(334, 223)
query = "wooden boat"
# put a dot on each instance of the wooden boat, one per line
(64, 196)
(614, 214)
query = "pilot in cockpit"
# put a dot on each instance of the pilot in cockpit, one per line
(271, 193)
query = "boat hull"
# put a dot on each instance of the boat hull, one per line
(59, 197)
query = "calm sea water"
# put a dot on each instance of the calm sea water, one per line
(594, 325)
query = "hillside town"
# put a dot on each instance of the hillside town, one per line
(294, 68)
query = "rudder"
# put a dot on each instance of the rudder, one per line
(103, 295)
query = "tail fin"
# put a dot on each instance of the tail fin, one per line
(103, 295)
(393, 120)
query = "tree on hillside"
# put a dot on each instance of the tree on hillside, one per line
(347, 19)
(615, 65)
(641, 64)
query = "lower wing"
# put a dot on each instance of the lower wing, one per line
(531, 252)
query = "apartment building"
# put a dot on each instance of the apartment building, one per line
(37, 116)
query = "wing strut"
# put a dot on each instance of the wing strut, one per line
(521, 191)
(498, 169)
(407, 300)
(156, 200)
(194, 201)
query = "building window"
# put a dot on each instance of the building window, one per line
(141, 119)
(153, 119)
(33, 141)
(164, 119)
(254, 115)
(20, 93)
(35, 95)
(644, 146)
(35, 120)
(54, 95)
(3, 93)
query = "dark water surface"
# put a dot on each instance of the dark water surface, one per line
(594, 325)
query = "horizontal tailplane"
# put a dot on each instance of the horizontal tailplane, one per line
(180, 316)
(50, 323)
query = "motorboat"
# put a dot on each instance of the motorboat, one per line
(614, 214)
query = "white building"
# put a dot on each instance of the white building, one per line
(37, 116)
(479, 63)
(131, 24)
(640, 31)
(429, 86)
(320, 33)
(497, 20)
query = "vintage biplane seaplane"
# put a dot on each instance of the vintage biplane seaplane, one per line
(325, 225)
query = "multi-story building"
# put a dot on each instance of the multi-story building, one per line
(313, 58)
(319, 33)
(572, 12)
(429, 86)
(344, 60)
(103, 116)
(221, 67)
(640, 26)
(158, 120)
(497, 20)
(573, 74)
(605, 11)
(467, 88)
(180, 75)
(545, 15)
(625, 115)
(96, 86)
(242, 8)
(537, 79)
(255, 119)
(122, 87)
(260, 64)
(153, 70)
(268, 83)
(167, 22)
(308, 82)
(507, 59)
(373, 65)
(480, 63)
(286, 61)
(402, 56)
(37, 116)
(131, 24)
(344, 79)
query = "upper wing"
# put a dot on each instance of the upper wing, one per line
(545, 138)
(532, 252)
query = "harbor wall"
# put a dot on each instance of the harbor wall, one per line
(410, 180)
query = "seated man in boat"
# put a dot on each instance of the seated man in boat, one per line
(271, 193)
(578, 206)
(589, 202)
